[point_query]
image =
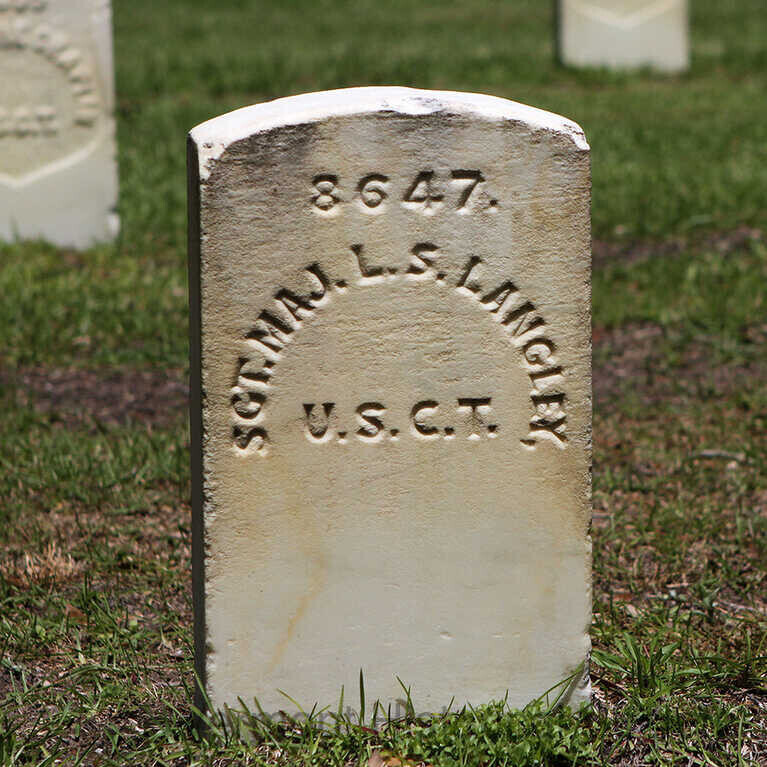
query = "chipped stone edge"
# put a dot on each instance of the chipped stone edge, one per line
(214, 136)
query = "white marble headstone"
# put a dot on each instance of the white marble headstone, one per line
(58, 171)
(624, 34)
(391, 414)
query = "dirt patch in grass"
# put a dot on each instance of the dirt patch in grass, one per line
(606, 252)
(98, 596)
(680, 510)
(81, 397)
(645, 361)
(680, 540)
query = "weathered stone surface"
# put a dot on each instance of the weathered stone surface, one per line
(58, 171)
(391, 413)
(624, 34)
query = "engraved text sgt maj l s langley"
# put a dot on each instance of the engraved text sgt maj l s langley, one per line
(273, 329)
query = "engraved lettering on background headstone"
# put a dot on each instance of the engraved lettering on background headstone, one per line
(48, 91)
(58, 165)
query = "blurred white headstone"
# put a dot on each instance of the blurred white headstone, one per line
(58, 172)
(391, 409)
(624, 34)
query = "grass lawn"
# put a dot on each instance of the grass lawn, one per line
(95, 592)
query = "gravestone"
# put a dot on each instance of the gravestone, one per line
(623, 34)
(391, 399)
(58, 171)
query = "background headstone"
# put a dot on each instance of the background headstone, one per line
(390, 294)
(58, 171)
(623, 34)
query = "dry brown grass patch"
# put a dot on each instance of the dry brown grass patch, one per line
(50, 567)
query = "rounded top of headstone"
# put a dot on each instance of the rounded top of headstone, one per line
(214, 136)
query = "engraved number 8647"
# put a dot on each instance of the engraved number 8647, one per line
(423, 194)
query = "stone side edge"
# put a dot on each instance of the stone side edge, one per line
(214, 136)
(195, 423)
